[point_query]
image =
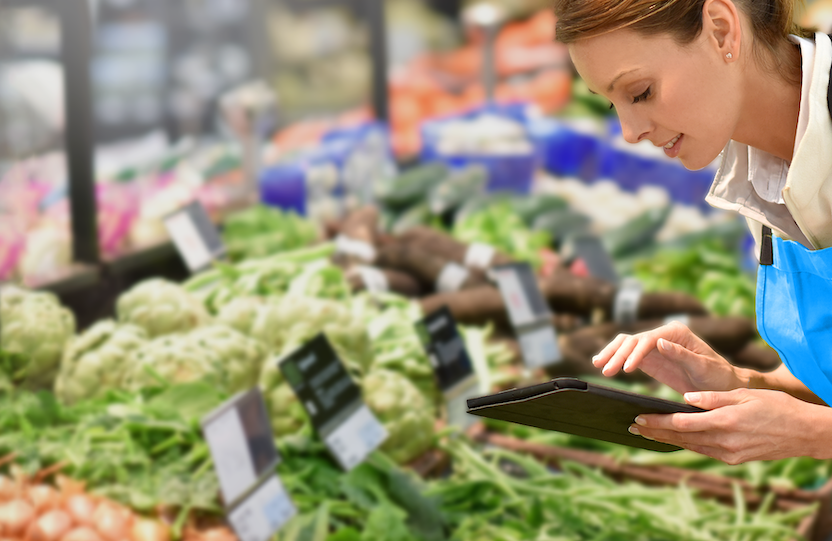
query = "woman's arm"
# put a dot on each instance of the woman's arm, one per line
(780, 379)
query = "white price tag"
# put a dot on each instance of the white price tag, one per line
(358, 248)
(232, 460)
(625, 306)
(457, 403)
(519, 307)
(374, 280)
(479, 256)
(263, 513)
(451, 278)
(188, 241)
(355, 438)
(539, 347)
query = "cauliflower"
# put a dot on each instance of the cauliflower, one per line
(161, 307)
(96, 361)
(241, 357)
(173, 359)
(35, 328)
(404, 412)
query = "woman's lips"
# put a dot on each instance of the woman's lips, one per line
(673, 151)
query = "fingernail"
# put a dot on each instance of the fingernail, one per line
(595, 358)
(641, 421)
(664, 344)
(692, 397)
(628, 363)
(634, 431)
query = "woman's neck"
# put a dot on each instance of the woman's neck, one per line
(770, 111)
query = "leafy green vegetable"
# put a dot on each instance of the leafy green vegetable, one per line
(708, 270)
(261, 231)
(499, 226)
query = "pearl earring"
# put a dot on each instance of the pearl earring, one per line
(729, 56)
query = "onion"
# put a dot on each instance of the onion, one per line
(8, 488)
(50, 526)
(81, 507)
(43, 497)
(149, 530)
(112, 521)
(83, 533)
(15, 516)
(219, 533)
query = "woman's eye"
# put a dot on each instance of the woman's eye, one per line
(643, 96)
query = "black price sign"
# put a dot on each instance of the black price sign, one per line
(446, 349)
(451, 364)
(529, 314)
(333, 402)
(590, 249)
(195, 236)
(320, 381)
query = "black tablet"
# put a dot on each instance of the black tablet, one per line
(580, 408)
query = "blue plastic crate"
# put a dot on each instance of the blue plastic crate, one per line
(505, 172)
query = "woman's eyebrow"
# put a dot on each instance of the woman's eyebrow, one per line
(619, 76)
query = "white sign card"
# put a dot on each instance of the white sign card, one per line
(529, 314)
(195, 236)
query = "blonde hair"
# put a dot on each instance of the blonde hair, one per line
(771, 23)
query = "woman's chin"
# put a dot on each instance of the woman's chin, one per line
(696, 161)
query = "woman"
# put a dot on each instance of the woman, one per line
(700, 78)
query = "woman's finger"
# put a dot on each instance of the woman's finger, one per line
(681, 439)
(620, 356)
(604, 356)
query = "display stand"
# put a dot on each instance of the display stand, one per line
(76, 30)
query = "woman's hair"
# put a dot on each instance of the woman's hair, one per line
(771, 23)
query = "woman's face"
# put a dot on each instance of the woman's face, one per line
(662, 90)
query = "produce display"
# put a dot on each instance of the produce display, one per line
(100, 435)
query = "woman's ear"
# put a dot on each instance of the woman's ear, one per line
(721, 27)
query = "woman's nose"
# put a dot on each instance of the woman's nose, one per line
(634, 130)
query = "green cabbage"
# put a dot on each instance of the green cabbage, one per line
(403, 410)
(35, 328)
(174, 358)
(96, 361)
(161, 307)
(241, 357)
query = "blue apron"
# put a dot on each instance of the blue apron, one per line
(794, 309)
(794, 305)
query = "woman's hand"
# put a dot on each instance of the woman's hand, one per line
(744, 425)
(673, 355)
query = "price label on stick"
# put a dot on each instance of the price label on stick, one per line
(263, 513)
(333, 402)
(241, 442)
(451, 364)
(240, 438)
(195, 236)
(529, 314)
(589, 249)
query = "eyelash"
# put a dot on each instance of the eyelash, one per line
(643, 96)
(638, 98)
